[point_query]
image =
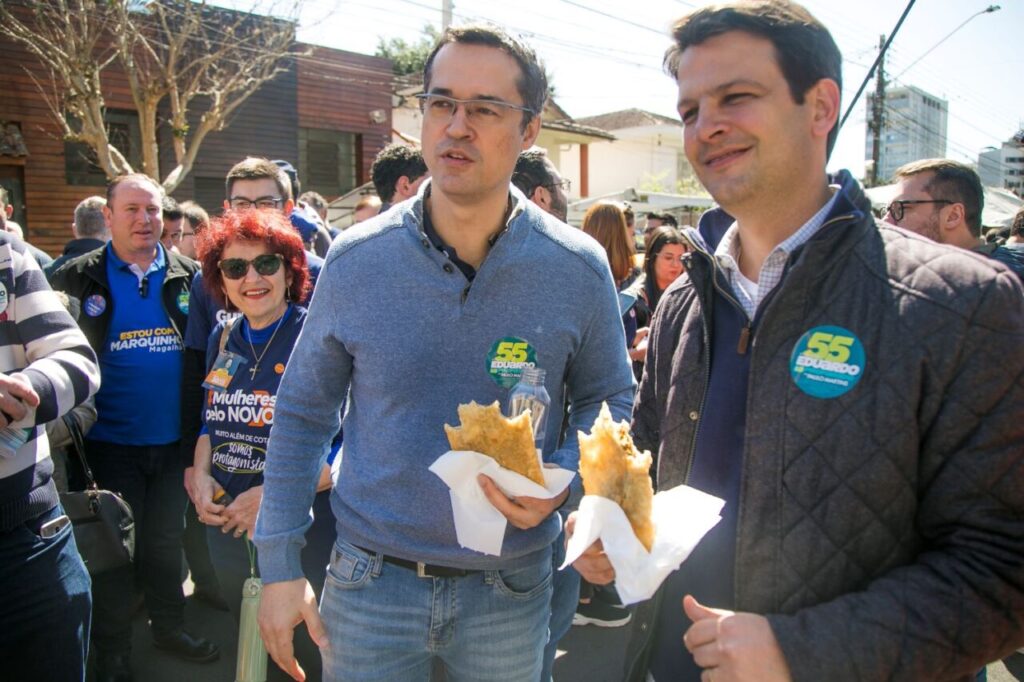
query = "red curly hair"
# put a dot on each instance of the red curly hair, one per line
(254, 225)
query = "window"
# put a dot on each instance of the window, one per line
(80, 164)
(328, 161)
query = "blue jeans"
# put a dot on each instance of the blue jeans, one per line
(385, 623)
(564, 598)
(46, 604)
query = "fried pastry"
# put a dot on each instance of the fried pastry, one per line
(612, 467)
(509, 441)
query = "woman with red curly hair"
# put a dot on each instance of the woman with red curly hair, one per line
(253, 263)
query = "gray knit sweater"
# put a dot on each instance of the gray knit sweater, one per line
(399, 330)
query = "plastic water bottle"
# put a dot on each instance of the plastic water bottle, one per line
(530, 394)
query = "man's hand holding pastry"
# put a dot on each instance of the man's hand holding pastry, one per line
(522, 512)
(593, 564)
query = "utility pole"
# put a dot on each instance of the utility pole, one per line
(877, 114)
(446, 14)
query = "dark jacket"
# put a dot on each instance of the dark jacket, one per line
(881, 532)
(73, 249)
(86, 276)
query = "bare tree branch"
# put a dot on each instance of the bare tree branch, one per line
(203, 62)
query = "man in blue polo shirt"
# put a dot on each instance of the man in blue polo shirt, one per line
(134, 300)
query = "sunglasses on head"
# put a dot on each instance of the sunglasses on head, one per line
(266, 265)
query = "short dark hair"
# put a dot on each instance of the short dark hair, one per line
(804, 48)
(171, 209)
(131, 177)
(532, 83)
(951, 181)
(531, 171)
(393, 162)
(314, 199)
(255, 168)
(1017, 228)
(195, 214)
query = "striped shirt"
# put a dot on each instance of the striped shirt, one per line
(41, 342)
(728, 255)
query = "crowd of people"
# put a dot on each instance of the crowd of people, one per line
(851, 385)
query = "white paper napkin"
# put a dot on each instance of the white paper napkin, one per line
(478, 525)
(682, 516)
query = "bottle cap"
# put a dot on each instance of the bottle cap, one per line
(533, 375)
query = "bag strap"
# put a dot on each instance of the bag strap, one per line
(79, 446)
(226, 332)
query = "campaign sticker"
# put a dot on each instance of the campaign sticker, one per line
(507, 359)
(95, 305)
(827, 362)
(279, 368)
(3, 298)
(183, 302)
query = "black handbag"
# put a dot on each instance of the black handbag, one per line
(103, 523)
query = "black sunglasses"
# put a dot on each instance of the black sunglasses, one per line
(237, 268)
(899, 207)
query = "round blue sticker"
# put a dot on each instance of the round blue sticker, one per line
(827, 362)
(95, 305)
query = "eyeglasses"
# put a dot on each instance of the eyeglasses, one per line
(237, 268)
(898, 208)
(441, 109)
(243, 203)
(179, 237)
(565, 184)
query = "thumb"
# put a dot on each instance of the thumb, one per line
(697, 611)
(315, 626)
(570, 525)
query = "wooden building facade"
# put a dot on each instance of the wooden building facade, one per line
(328, 115)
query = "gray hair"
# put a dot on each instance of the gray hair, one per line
(89, 219)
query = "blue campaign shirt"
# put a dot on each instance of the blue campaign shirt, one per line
(238, 419)
(140, 361)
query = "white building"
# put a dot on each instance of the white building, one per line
(647, 154)
(914, 128)
(1004, 166)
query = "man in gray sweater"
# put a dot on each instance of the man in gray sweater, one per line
(471, 283)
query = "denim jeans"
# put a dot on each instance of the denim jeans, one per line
(564, 598)
(46, 604)
(385, 623)
(151, 480)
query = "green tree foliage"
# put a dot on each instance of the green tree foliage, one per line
(407, 58)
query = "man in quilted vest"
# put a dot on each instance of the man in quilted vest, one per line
(853, 391)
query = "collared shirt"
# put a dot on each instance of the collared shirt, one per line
(141, 350)
(728, 255)
(468, 271)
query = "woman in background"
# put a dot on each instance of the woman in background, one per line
(663, 264)
(606, 223)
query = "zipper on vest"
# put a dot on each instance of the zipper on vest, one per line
(744, 342)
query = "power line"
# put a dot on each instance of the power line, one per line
(987, 10)
(881, 55)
